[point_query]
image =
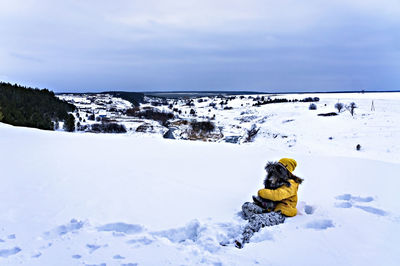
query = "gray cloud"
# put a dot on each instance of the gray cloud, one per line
(201, 45)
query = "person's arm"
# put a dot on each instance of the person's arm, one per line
(278, 194)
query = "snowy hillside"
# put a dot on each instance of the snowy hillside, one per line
(279, 125)
(139, 199)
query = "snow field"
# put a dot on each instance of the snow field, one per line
(87, 199)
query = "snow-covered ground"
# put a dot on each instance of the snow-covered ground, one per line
(104, 199)
(281, 125)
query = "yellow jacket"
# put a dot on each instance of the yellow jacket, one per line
(287, 197)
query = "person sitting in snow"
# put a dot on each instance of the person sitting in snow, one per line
(275, 202)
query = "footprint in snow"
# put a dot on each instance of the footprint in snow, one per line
(5, 253)
(349, 197)
(118, 257)
(121, 228)
(308, 209)
(349, 200)
(361, 199)
(72, 226)
(343, 197)
(343, 205)
(36, 255)
(372, 210)
(12, 236)
(320, 224)
(92, 248)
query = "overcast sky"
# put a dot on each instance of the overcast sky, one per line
(157, 45)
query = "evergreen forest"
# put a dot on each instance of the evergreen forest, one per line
(28, 107)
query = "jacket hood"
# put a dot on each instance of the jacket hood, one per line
(289, 163)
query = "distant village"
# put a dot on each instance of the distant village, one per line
(226, 118)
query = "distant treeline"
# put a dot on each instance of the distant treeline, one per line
(136, 98)
(22, 106)
(152, 114)
(262, 100)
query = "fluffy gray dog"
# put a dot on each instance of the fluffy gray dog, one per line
(277, 176)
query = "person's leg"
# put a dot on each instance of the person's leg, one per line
(256, 222)
(268, 219)
(250, 208)
(253, 226)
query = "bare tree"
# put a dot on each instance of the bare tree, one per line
(351, 108)
(339, 106)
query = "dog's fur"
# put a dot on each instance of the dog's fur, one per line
(277, 176)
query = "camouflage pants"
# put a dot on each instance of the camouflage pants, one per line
(257, 220)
